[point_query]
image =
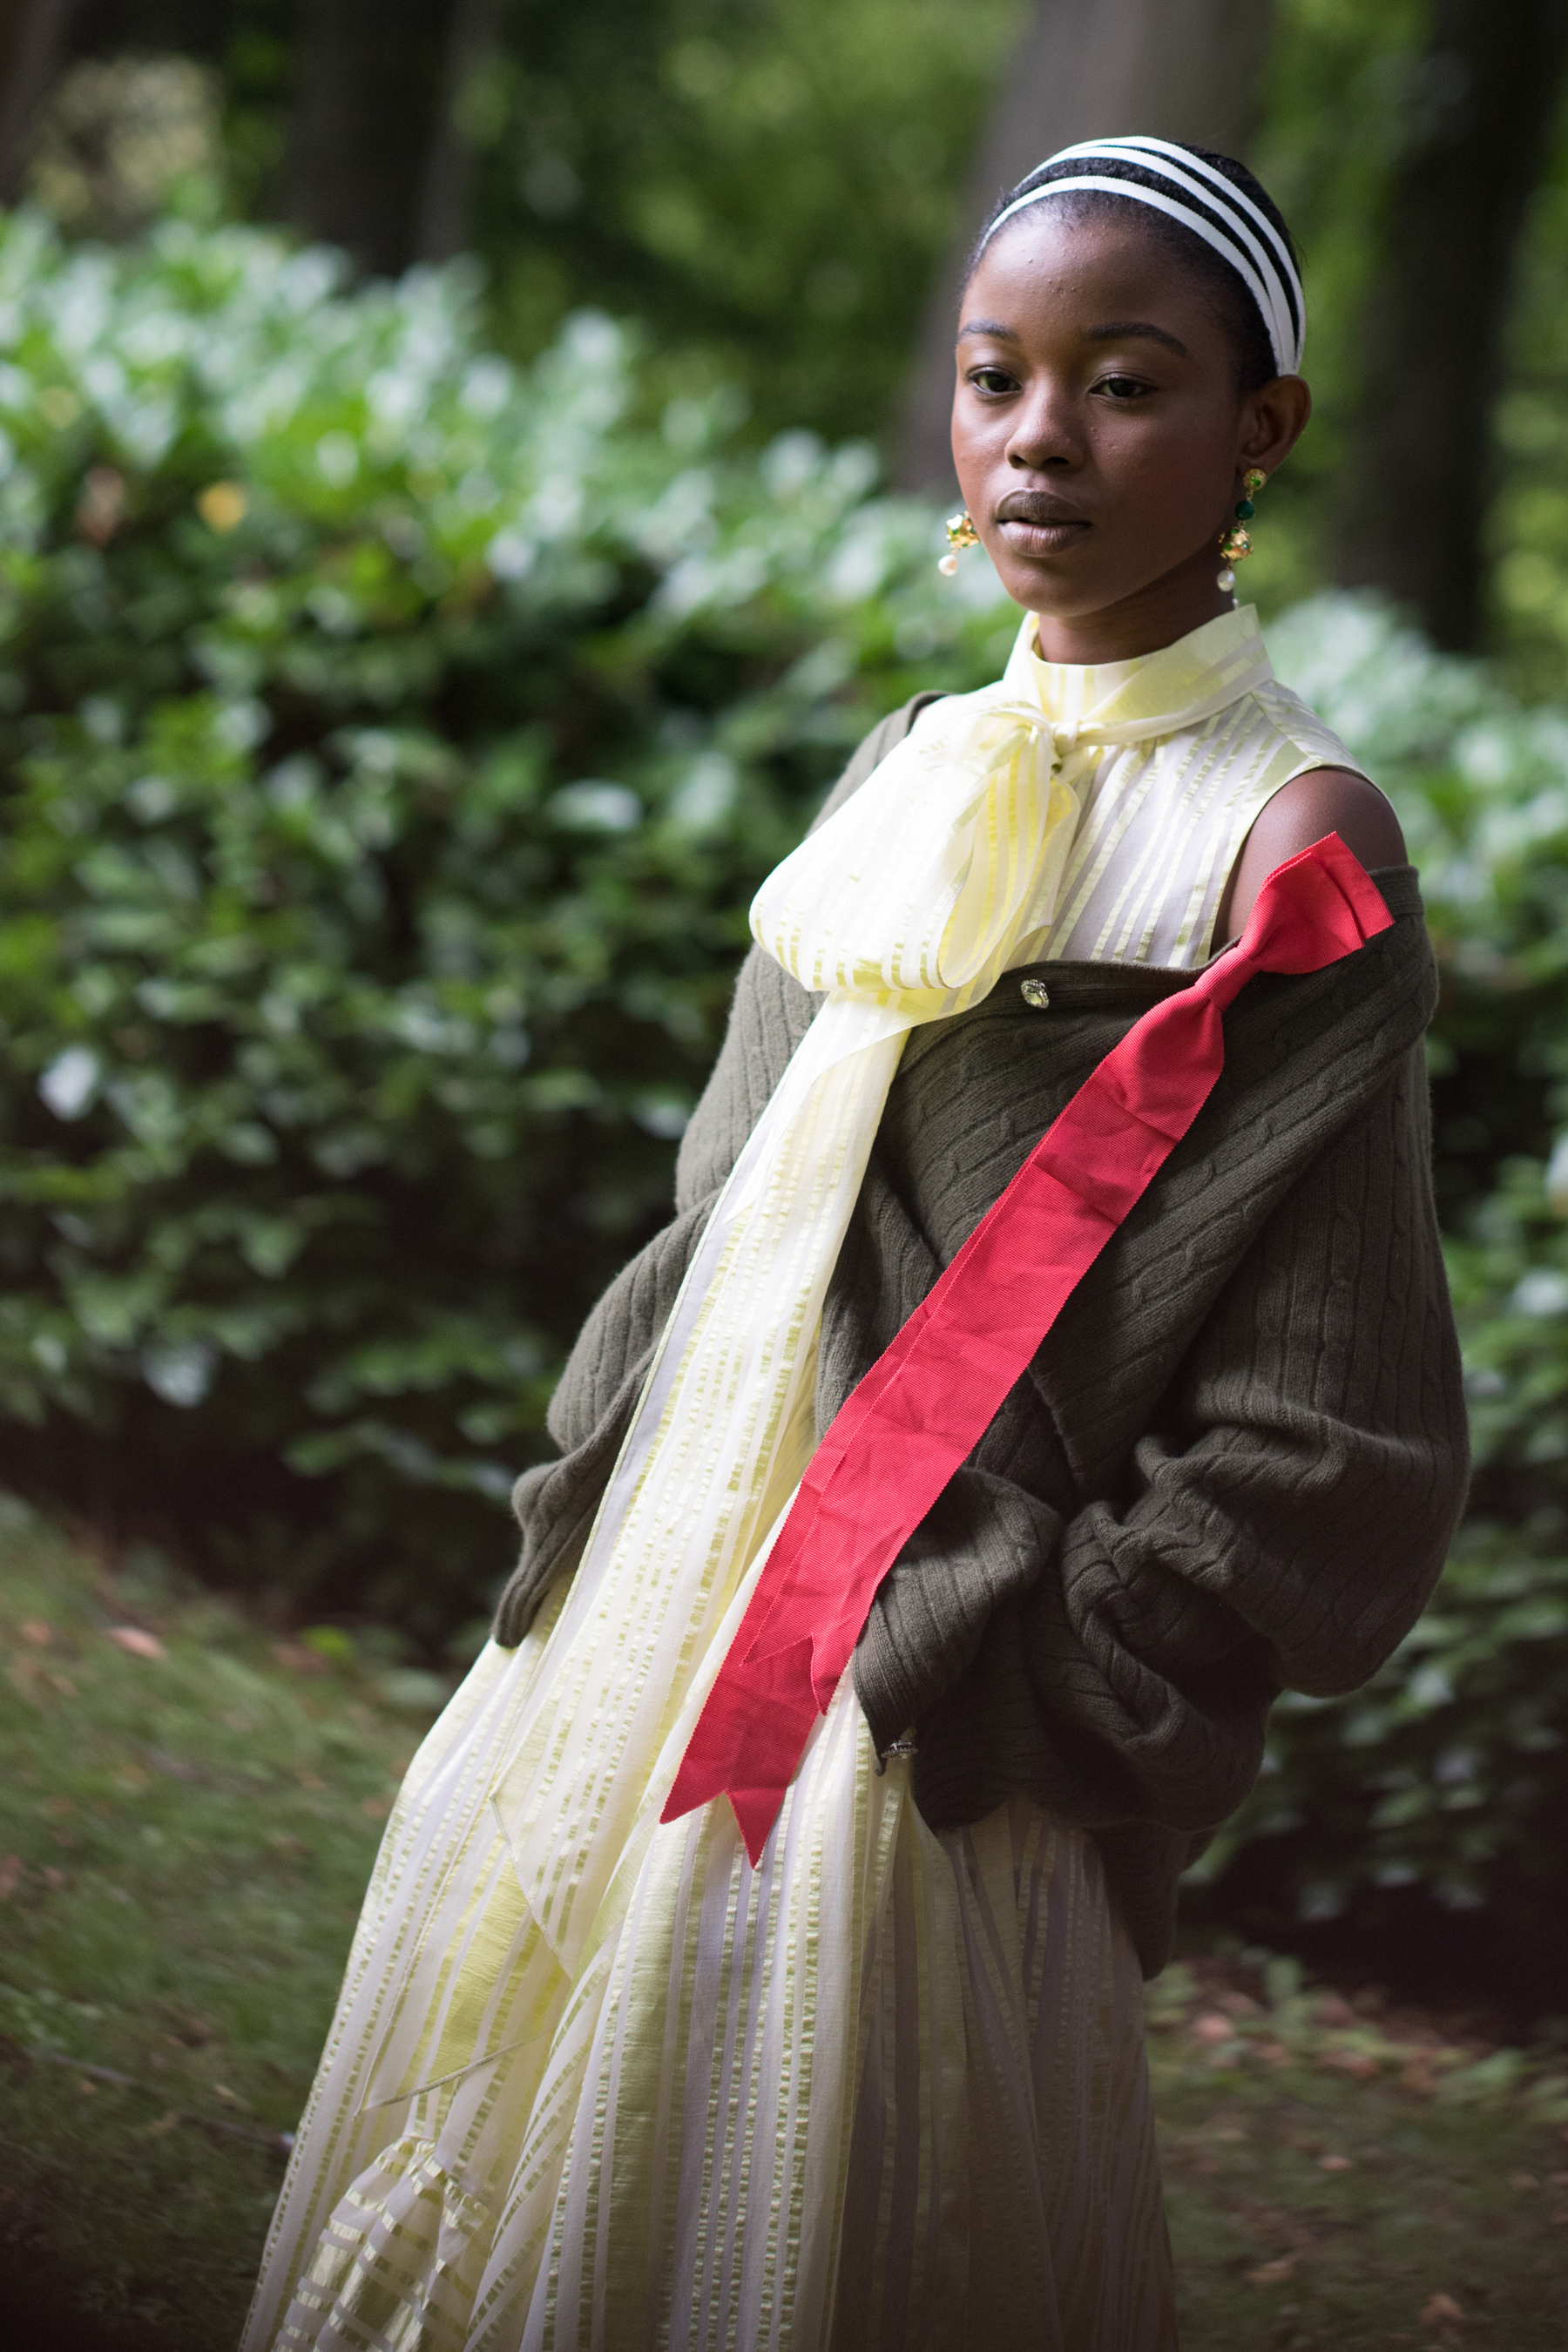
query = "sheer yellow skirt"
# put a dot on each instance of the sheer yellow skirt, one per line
(888, 2090)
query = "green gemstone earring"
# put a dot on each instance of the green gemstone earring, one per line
(1237, 544)
(961, 532)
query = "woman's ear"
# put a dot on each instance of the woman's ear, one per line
(1272, 421)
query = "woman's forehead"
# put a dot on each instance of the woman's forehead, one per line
(1047, 267)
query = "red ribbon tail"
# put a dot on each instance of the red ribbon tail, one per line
(756, 1811)
(749, 1741)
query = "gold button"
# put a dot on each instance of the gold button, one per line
(1036, 994)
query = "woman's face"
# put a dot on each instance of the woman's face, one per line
(1097, 429)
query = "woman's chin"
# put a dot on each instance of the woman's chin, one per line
(1070, 592)
(1056, 597)
(1062, 586)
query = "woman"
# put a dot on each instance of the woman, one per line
(854, 2058)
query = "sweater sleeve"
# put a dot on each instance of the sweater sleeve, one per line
(596, 1395)
(1286, 1517)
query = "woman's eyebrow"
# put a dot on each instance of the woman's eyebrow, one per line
(1117, 331)
(1125, 330)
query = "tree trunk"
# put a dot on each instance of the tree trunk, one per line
(1482, 111)
(39, 37)
(1084, 69)
(363, 124)
(441, 224)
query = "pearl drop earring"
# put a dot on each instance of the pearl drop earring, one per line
(1237, 544)
(961, 532)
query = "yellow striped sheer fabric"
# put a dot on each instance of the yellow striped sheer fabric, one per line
(1162, 823)
(594, 2080)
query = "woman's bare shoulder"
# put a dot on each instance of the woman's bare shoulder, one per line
(1320, 801)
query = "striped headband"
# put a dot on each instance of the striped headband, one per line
(1208, 204)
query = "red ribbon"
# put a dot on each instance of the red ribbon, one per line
(925, 1404)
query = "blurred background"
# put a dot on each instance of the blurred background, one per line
(470, 471)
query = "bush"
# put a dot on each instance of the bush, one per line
(392, 742)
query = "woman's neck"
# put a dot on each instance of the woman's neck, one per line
(1143, 623)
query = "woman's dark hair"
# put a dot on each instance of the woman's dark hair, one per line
(1224, 289)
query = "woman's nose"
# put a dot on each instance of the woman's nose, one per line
(1044, 438)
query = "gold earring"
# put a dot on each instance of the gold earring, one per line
(1237, 544)
(961, 532)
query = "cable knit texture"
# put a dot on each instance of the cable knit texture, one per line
(1236, 1463)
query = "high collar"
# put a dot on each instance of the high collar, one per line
(1152, 694)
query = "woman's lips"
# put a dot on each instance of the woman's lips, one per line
(1042, 535)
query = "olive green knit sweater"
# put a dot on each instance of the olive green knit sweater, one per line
(1234, 1465)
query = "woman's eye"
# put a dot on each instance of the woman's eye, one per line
(991, 380)
(1121, 387)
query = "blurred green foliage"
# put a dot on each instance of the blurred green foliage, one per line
(392, 742)
(1342, 85)
(770, 187)
(1529, 520)
(766, 183)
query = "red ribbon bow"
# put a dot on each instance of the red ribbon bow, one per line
(926, 1402)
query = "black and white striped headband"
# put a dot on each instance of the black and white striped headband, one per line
(1203, 200)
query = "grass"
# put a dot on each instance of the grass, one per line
(187, 1817)
(1354, 2175)
(185, 1839)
